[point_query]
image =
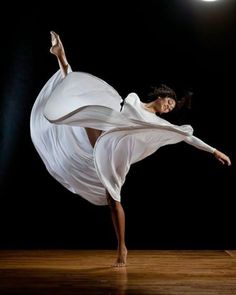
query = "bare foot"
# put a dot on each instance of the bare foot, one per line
(121, 258)
(57, 47)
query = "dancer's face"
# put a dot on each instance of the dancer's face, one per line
(165, 105)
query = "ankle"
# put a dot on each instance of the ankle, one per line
(122, 248)
(62, 60)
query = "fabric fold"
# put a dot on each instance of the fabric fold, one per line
(61, 111)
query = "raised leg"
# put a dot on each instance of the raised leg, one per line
(116, 209)
(58, 50)
(118, 219)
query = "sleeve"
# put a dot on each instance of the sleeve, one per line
(198, 143)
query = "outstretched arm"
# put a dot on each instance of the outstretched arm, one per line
(198, 143)
(58, 50)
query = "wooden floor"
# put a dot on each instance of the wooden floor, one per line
(161, 272)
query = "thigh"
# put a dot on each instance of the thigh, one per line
(93, 135)
(110, 200)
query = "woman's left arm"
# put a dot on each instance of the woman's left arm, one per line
(222, 157)
(198, 143)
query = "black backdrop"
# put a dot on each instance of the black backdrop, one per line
(180, 197)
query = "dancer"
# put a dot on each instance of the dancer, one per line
(88, 137)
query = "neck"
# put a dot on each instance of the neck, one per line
(152, 107)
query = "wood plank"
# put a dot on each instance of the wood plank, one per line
(78, 272)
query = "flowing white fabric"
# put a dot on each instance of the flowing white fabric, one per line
(65, 106)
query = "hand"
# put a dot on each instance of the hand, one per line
(222, 157)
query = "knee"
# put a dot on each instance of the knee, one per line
(113, 204)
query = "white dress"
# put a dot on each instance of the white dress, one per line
(66, 105)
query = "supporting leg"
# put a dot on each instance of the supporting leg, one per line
(93, 135)
(118, 219)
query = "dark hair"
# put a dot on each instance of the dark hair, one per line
(165, 91)
(162, 91)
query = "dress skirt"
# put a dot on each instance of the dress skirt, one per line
(62, 110)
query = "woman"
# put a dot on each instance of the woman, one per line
(88, 143)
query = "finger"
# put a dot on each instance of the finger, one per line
(227, 160)
(221, 161)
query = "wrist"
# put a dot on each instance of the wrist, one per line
(214, 151)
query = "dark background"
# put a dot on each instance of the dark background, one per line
(180, 197)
